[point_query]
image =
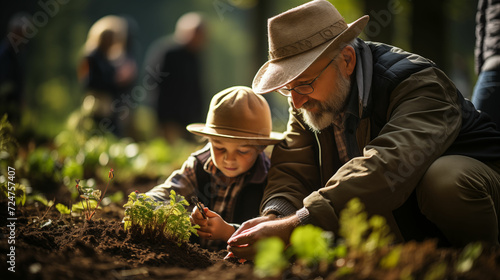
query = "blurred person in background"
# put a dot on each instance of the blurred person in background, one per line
(175, 63)
(107, 73)
(486, 96)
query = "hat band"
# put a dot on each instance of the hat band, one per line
(235, 132)
(324, 35)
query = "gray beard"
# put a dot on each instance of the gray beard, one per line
(329, 109)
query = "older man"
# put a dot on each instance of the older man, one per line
(372, 121)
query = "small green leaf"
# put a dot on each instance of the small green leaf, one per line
(77, 207)
(310, 244)
(436, 272)
(391, 260)
(468, 256)
(41, 199)
(63, 209)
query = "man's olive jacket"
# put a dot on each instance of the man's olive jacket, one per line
(413, 115)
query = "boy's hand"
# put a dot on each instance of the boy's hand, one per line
(214, 227)
(197, 216)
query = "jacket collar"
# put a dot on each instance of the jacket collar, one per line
(361, 82)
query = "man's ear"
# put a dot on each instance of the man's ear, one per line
(349, 60)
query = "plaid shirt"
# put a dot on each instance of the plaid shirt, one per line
(339, 132)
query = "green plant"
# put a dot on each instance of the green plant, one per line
(42, 199)
(436, 272)
(89, 194)
(63, 209)
(15, 192)
(270, 260)
(361, 234)
(8, 143)
(42, 166)
(466, 260)
(311, 244)
(392, 258)
(145, 216)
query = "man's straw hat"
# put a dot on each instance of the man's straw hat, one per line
(298, 37)
(237, 113)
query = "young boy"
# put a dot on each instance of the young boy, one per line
(229, 174)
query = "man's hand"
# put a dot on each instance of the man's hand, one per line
(253, 222)
(241, 244)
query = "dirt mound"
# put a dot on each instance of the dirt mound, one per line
(70, 248)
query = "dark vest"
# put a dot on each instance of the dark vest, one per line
(478, 137)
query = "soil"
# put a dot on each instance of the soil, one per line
(72, 248)
(48, 246)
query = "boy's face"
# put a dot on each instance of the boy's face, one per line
(233, 158)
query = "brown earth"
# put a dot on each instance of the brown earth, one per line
(70, 248)
(48, 246)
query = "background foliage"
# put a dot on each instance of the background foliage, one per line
(441, 30)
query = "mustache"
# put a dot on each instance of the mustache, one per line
(311, 103)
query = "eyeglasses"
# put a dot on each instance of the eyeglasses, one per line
(304, 89)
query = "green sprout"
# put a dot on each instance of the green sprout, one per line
(158, 220)
(63, 209)
(10, 192)
(360, 233)
(42, 199)
(270, 260)
(90, 196)
(468, 256)
(311, 244)
(8, 143)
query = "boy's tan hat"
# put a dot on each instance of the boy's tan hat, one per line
(298, 37)
(237, 113)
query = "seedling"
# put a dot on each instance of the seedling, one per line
(158, 220)
(468, 256)
(89, 194)
(8, 143)
(270, 260)
(311, 246)
(63, 209)
(16, 192)
(360, 233)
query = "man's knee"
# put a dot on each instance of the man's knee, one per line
(458, 194)
(450, 180)
(442, 179)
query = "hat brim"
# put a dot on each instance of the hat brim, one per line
(202, 130)
(275, 74)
